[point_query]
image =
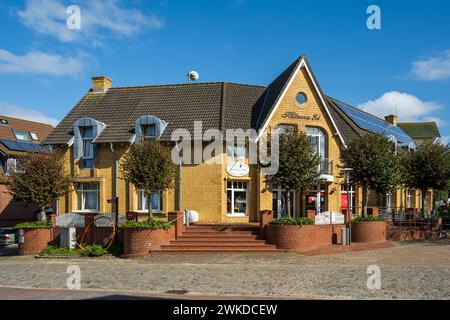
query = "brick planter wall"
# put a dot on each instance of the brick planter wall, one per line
(139, 242)
(34, 241)
(365, 231)
(303, 238)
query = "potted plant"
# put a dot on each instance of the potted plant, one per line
(40, 178)
(368, 229)
(141, 237)
(34, 236)
(292, 234)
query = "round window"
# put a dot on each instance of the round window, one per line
(301, 98)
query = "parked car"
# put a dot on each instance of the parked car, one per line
(8, 236)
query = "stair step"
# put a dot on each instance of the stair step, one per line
(218, 250)
(219, 232)
(177, 243)
(219, 236)
(213, 242)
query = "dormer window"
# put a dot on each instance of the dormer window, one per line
(149, 131)
(87, 135)
(85, 131)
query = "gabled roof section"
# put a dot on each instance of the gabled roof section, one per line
(219, 105)
(277, 89)
(420, 130)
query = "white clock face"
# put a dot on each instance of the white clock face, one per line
(238, 169)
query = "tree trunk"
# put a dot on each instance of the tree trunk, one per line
(302, 202)
(149, 206)
(424, 196)
(288, 206)
(43, 214)
(364, 201)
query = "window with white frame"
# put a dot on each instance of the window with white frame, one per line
(283, 127)
(142, 203)
(11, 165)
(87, 135)
(88, 196)
(408, 199)
(237, 198)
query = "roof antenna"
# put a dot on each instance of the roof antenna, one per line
(192, 76)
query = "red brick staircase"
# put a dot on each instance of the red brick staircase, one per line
(219, 238)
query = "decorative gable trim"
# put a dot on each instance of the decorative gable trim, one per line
(303, 64)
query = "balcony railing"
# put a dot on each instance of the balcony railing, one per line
(326, 167)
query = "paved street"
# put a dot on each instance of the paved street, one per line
(413, 270)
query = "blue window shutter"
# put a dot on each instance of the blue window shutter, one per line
(77, 143)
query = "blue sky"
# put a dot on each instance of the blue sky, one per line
(45, 68)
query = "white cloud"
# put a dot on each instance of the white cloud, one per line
(407, 106)
(37, 62)
(8, 109)
(433, 68)
(445, 140)
(99, 19)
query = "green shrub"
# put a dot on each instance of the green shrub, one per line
(93, 251)
(292, 221)
(368, 219)
(35, 225)
(116, 249)
(59, 250)
(148, 224)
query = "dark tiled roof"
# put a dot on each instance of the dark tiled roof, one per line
(347, 128)
(218, 105)
(419, 130)
(273, 93)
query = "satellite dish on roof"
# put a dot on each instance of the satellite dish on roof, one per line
(192, 76)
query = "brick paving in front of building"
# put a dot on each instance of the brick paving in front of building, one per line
(409, 270)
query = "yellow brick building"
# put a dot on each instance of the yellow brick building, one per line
(107, 120)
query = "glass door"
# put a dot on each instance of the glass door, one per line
(279, 202)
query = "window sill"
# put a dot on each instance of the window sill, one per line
(236, 215)
(86, 211)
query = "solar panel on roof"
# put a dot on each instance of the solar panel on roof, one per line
(24, 146)
(373, 124)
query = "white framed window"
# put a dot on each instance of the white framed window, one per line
(34, 136)
(237, 198)
(408, 199)
(142, 203)
(21, 135)
(87, 136)
(284, 127)
(88, 196)
(11, 165)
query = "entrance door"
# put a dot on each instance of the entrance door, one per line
(316, 199)
(279, 202)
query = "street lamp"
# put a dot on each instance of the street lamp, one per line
(347, 174)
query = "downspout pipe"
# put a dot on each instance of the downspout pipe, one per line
(116, 169)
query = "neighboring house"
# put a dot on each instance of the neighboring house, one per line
(421, 132)
(101, 127)
(17, 136)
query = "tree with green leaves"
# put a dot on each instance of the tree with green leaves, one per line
(375, 165)
(298, 164)
(148, 166)
(39, 178)
(427, 167)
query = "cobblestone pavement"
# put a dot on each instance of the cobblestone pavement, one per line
(409, 270)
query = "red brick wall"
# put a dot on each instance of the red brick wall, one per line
(34, 241)
(303, 238)
(177, 218)
(365, 231)
(139, 242)
(13, 212)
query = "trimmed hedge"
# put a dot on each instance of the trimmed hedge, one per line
(286, 221)
(35, 225)
(148, 224)
(368, 219)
